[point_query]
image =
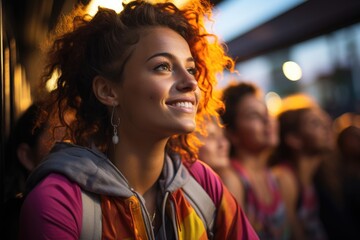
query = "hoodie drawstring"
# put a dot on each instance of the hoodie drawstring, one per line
(163, 209)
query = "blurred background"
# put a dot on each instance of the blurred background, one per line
(284, 46)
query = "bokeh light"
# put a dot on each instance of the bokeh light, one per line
(273, 102)
(292, 71)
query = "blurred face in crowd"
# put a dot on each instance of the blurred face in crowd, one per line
(255, 130)
(349, 143)
(215, 149)
(315, 132)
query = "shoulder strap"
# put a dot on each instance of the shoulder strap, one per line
(202, 204)
(91, 220)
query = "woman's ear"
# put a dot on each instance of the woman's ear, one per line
(105, 91)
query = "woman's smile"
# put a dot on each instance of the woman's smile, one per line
(185, 105)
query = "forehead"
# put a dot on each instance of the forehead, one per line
(161, 39)
(250, 103)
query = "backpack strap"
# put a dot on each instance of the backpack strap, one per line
(91, 217)
(202, 203)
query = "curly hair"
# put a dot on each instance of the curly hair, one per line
(86, 46)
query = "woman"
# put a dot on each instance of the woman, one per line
(305, 140)
(26, 146)
(139, 81)
(252, 134)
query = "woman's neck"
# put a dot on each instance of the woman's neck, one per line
(257, 174)
(140, 162)
(307, 167)
(253, 161)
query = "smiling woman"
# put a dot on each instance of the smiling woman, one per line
(140, 82)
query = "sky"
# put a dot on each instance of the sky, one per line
(235, 17)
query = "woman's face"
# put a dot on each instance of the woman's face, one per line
(315, 132)
(255, 130)
(158, 92)
(215, 149)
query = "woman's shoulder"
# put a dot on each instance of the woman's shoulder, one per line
(229, 176)
(283, 172)
(53, 207)
(287, 182)
(234, 182)
(56, 185)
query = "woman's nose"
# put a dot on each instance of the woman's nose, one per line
(187, 82)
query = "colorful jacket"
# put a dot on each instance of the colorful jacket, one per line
(53, 207)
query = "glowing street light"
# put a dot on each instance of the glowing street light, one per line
(292, 71)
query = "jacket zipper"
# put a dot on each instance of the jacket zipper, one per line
(147, 219)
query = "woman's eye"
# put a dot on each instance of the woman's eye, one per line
(192, 71)
(163, 67)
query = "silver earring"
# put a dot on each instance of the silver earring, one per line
(115, 138)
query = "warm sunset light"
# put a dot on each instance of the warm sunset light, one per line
(296, 101)
(117, 4)
(22, 94)
(51, 83)
(92, 8)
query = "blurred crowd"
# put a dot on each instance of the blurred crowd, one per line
(296, 174)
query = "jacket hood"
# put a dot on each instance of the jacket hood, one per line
(94, 172)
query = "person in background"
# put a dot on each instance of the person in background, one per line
(215, 147)
(25, 149)
(305, 139)
(252, 133)
(348, 144)
(215, 151)
(140, 83)
(26, 146)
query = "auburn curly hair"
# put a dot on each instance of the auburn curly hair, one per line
(86, 46)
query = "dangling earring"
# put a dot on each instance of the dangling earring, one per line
(115, 138)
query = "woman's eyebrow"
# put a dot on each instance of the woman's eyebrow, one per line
(168, 55)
